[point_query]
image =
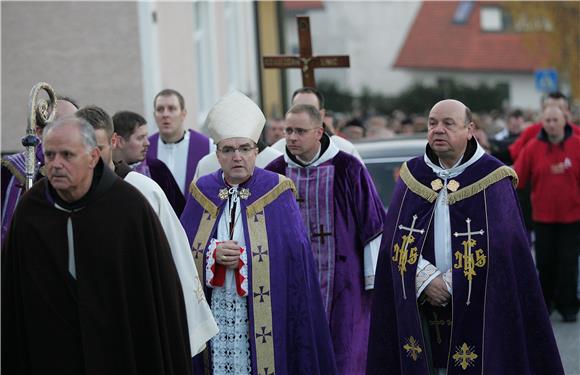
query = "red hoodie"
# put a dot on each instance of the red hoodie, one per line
(528, 134)
(554, 171)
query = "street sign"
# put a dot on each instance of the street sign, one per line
(546, 80)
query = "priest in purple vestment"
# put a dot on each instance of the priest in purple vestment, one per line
(178, 148)
(14, 167)
(456, 289)
(131, 147)
(343, 215)
(254, 256)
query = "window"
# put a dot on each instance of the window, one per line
(495, 19)
(491, 19)
(462, 12)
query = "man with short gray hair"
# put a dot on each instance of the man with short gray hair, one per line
(13, 166)
(88, 281)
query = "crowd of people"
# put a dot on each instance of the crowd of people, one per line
(490, 126)
(263, 247)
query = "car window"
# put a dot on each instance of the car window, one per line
(384, 158)
(384, 176)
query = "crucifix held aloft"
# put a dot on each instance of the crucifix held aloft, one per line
(306, 61)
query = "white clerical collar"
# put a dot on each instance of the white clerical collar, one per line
(328, 154)
(458, 168)
(183, 140)
(316, 156)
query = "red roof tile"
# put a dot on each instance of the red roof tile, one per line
(303, 4)
(434, 42)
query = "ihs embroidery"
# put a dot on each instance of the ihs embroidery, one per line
(466, 260)
(403, 255)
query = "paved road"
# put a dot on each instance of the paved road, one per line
(568, 339)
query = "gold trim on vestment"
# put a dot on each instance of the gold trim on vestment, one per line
(415, 186)
(206, 224)
(261, 295)
(15, 172)
(461, 194)
(478, 186)
(204, 201)
(284, 184)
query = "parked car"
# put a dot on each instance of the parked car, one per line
(383, 159)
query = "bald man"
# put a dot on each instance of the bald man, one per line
(456, 289)
(13, 166)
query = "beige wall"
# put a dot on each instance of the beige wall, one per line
(271, 78)
(86, 50)
(118, 55)
(176, 53)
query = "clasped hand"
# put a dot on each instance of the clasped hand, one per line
(228, 254)
(436, 292)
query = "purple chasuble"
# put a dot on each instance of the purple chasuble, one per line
(199, 146)
(13, 183)
(142, 168)
(288, 327)
(496, 322)
(357, 218)
(316, 202)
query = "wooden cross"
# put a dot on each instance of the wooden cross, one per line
(306, 61)
(321, 234)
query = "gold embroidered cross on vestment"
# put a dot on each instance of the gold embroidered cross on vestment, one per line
(465, 356)
(412, 348)
(403, 255)
(466, 260)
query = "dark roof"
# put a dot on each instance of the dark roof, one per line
(436, 42)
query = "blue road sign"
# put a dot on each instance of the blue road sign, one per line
(546, 80)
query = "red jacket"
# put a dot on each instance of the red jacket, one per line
(527, 135)
(554, 171)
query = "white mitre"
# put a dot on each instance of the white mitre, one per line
(235, 116)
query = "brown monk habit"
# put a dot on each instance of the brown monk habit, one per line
(116, 308)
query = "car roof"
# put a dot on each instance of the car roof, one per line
(397, 149)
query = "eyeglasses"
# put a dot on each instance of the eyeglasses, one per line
(299, 131)
(244, 150)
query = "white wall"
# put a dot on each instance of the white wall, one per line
(522, 91)
(370, 32)
(86, 50)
